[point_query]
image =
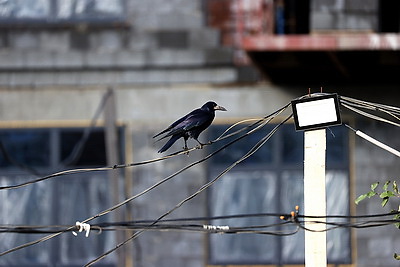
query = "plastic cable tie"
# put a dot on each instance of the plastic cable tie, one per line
(82, 227)
(216, 227)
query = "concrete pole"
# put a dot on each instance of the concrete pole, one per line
(315, 197)
(111, 140)
(128, 187)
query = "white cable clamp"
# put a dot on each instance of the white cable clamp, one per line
(216, 227)
(82, 227)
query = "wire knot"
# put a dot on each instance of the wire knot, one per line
(293, 217)
(82, 227)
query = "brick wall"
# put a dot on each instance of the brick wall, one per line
(162, 42)
(340, 15)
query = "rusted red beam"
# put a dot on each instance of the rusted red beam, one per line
(321, 42)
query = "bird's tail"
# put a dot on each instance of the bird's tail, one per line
(160, 133)
(170, 142)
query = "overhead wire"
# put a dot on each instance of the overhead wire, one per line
(369, 115)
(266, 118)
(358, 106)
(374, 141)
(79, 146)
(205, 186)
(189, 198)
(15, 162)
(71, 158)
(371, 105)
(374, 220)
(145, 162)
(354, 106)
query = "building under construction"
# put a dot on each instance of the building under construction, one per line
(87, 83)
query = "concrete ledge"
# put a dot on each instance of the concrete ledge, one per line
(123, 77)
(22, 60)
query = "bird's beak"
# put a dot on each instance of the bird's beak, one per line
(219, 108)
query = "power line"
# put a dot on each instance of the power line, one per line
(207, 185)
(251, 129)
(75, 153)
(359, 107)
(145, 162)
(78, 147)
(158, 224)
(13, 161)
(375, 220)
(374, 141)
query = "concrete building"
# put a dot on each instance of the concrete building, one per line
(163, 59)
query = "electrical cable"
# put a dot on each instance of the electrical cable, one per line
(192, 196)
(372, 105)
(266, 118)
(78, 147)
(356, 105)
(224, 135)
(258, 125)
(13, 161)
(167, 224)
(76, 151)
(393, 114)
(375, 142)
(119, 166)
(201, 189)
(369, 115)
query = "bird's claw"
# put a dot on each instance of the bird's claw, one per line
(200, 146)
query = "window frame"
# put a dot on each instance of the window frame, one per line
(55, 249)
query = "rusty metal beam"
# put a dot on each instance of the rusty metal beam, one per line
(322, 42)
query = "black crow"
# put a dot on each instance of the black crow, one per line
(190, 125)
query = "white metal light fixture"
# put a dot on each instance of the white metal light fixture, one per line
(316, 112)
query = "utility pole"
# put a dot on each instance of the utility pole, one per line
(313, 114)
(128, 186)
(315, 197)
(111, 140)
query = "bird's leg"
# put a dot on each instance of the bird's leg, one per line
(200, 144)
(186, 147)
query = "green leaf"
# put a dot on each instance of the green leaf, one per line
(385, 201)
(395, 188)
(385, 186)
(360, 198)
(387, 194)
(396, 217)
(371, 194)
(396, 256)
(374, 186)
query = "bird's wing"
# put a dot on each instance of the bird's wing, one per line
(174, 125)
(190, 122)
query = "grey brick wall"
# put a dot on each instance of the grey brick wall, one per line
(350, 15)
(165, 42)
(168, 43)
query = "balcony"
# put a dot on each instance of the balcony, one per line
(277, 37)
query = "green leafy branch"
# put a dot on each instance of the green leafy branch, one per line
(386, 193)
